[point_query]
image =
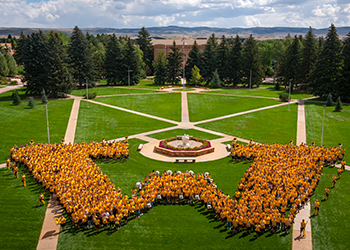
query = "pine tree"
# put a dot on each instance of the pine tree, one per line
(252, 61)
(216, 82)
(293, 62)
(98, 56)
(196, 77)
(328, 69)
(44, 98)
(174, 64)
(209, 59)
(160, 68)
(81, 61)
(223, 60)
(194, 59)
(309, 55)
(16, 100)
(18, 49)
(344, 85)
(31, 102)
(329, 100)
(114, 65)
(11, 64)
(144, 42)
(59, 76)
(235, 62)
(4, 70)
(132, 62)
(339, 105)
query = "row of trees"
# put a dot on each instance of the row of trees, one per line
(233, 61)
(8, 65)
(322, 66)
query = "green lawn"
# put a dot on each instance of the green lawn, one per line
(21, 216)
(336, 126)
(148, 84)
(190, 132)
(161, 105)
(271, 125)
(7, 96)
(98, 121)
(110, 91)
(20, 124)
(206, 106)
(171, 226)
(267, 92)
(181, 89)
(330, 227)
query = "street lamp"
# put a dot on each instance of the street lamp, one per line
(324, 112)
(87, 93)
(47, 125)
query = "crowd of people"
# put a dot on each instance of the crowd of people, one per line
(276, 185)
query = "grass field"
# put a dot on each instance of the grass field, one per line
(336, 126)
(98, 121)
(205, 106)
(162, 105)
(171, 226)
(271, 125)
(330, 227)
(110, 91)
(190, 132)
(20, 124)
(7, 96)
(21, 216)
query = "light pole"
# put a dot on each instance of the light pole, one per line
(47, 125)
(250, 80)
(129, 77)
(87, 93)
(290, 83)
(324, 112)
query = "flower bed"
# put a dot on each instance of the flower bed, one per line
(164, 144)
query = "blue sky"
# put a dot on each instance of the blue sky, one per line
(190, 13)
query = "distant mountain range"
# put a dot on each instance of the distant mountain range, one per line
(169, 32)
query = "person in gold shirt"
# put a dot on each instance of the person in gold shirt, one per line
(326, 193)
(302, 228)
(23, 177)
(41, 198)
(62, 222)
(317, 205)
(334, 179)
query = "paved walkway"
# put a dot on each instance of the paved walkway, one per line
(72, 123)
(10, 87)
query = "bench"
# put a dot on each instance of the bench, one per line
(140, 147)
(185, 160)
(228, 147)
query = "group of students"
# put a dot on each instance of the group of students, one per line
(281, 179)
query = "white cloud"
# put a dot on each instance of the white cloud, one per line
(326, 10)
(252, 21)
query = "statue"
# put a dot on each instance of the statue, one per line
(185, 141)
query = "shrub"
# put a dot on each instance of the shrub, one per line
(31, 102)
(13, 82)
(4, 80)
(16, 99)
(338, 106)
(329, 100)
(284, 97)
(216, 82)
(277, 86)
(44, 98)
(91, 95)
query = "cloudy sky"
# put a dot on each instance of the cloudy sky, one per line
(189, 13)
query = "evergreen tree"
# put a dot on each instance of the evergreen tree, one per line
(145, 44)
(4, 70)
(343, 88)
(252, 61)
(235, 62)
(81, 60)
(11, 64)
(132, 62)
(160, 68)
(327, 74)
(174, 64)
(309, 55)
(223, 66)
(31, 102)
(99, 56)
(293, 62)
(18, 49)
(339, 105)
(16, 100)
(196, 77)
(59, 76)
(194, 59)
(44, 98)
(329, 100)
(216, 82)
(113, 64)
(209, 59)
